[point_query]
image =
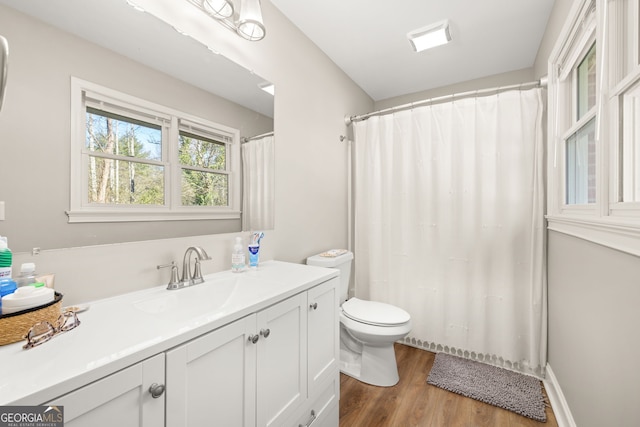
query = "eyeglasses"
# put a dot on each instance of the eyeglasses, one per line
(43, 331)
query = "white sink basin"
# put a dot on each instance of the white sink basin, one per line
(217, 295)
(195, 300)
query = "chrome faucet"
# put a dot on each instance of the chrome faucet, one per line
(195, 278)
(174, 283)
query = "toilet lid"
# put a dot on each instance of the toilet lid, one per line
(374, 313)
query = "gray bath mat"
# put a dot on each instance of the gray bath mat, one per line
(506, 389)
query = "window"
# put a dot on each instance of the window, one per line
(629, 184)
(576, 118)
(133, 160)
(594, 125)
(586, 83)
(625, 109)
(203, 164)
(626, 83)
(580, 166)
(580, 146)
(124, 160)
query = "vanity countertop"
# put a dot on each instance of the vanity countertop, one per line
(120, 331)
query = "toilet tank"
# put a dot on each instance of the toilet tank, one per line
(341, 262)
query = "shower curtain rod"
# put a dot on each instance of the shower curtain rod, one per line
(245, 139)
(537, 83)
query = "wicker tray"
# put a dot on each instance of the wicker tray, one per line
(14, 326)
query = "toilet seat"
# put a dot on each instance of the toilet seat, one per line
(374, 313)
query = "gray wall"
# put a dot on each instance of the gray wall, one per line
(497, 80)
(594, 345)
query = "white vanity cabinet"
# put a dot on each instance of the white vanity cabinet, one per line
(251, 372)
(262, 370)
(122, 399)
(249, 350)
(323, 340)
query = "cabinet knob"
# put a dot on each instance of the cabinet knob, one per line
(313, 306)
(254, 338)
(156, 390)
(265, 332)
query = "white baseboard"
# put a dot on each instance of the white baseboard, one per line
(558, 402)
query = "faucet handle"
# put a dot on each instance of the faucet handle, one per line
(174, 282)
(197, 273)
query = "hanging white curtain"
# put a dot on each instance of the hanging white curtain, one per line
(258, 176)
(449, 225)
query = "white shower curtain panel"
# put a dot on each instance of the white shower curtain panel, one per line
(258, 177)
(449, 225)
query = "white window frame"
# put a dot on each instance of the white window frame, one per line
(171, 120)
(625, 75)
(608, 221)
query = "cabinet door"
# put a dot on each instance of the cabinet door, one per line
(282, 360)
(121, 399)
(211, 380)
(324, 333)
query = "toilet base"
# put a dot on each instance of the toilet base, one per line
(374, 365)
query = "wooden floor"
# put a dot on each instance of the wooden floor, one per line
(413, 402)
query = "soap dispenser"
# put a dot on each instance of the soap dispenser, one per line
(237, 256)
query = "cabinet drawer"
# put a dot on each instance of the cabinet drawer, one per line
(122, 399)
(330, 418)
(322, 409)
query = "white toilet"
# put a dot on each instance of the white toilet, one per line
(368, 330)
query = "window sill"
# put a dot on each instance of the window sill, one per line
(613, 232)
(88, 216)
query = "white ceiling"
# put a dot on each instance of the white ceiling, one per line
(367, 39)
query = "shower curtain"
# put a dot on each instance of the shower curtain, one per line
(258, 175)
(449, 225)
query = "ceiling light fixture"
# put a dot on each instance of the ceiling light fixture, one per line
(250, 24)
(241, 16)
(219, 9)
(430, 36)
